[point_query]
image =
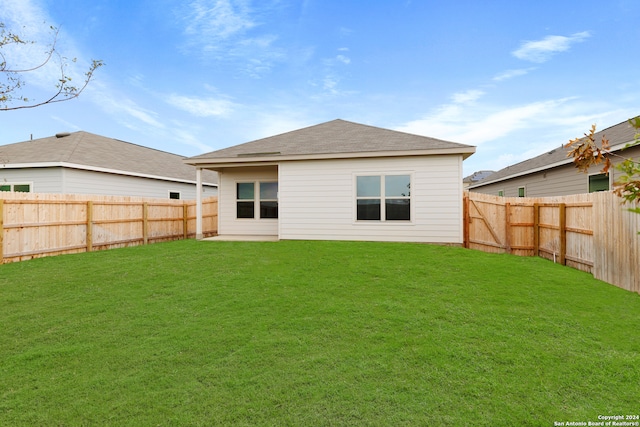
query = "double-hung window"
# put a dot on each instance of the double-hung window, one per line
(383, 197)
(268, 199)
(257, 196)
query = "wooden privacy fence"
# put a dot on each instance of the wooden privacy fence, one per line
(36, 225)
(592, 232)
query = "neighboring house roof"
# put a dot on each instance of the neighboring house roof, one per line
(84, 150)
(477, 176)
(332, 140)
(618, 136)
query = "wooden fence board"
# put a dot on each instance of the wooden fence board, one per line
(590, 232)
(34, 225)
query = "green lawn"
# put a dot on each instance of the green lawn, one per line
(312, 333)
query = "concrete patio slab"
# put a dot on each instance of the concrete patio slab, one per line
(242, 238)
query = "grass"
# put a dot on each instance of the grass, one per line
(312, 333)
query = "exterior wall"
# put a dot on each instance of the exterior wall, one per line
(76, 181)
(42, 180)
(87, 182)
(318, 200)
(227, 222)
(560, 181)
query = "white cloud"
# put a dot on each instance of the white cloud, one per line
(508, 134)
(226, 30)
(186, 137)
(481, 124)
(32, 24)
(68, 125)
(509, 74)
(217, 20)
(343, 59)
(330, 83)
(122, 108)
(201, 107)
(467, 96)
(25, 16)
(542, 50)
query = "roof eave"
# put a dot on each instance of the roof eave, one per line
(566, 161)
(212, 162)
(99, 169)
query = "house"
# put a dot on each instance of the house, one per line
(554, 174)
(85, 163)
(341, 181)
(475, 177)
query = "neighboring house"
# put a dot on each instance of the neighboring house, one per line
(475, 177)
(341, 181)
(554, 174)
(84, 163)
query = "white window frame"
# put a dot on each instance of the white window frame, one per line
(13, 184)
(259, 200)
(179, 193)
(524, 191)
(383, 197)
(609, 177)
(256, 199)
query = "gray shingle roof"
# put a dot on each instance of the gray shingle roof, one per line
(87, 149)
(334, 138)
(622, 133)
(477, 176)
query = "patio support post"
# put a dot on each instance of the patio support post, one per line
(198, 203)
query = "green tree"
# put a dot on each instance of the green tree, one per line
(586, 152)
(12, 74)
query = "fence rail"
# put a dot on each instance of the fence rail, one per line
(590, 232)
(35, 225)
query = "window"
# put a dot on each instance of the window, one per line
(245, 203)
(383, 198)
(174, 195)
(521, 192)
(599, 182)
(266, 200)
(18, 188)
(501, 193)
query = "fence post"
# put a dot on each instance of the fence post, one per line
(507, 227)
(1, 231)
(465, 224)
(563, 232)
(536, 229)
(145, 222)
(185, 221)
(89, 226)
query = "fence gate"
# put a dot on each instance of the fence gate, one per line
(482, 225)
(559, 228)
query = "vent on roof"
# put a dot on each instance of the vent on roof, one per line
(268, 153)
(62, 134)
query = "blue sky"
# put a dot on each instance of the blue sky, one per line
(514, 78)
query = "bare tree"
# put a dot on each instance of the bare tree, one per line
(12, 75)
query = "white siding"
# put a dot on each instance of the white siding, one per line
(227, 221)
(317, 200)
(42, 180)
(75, 181)
(87, 182)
